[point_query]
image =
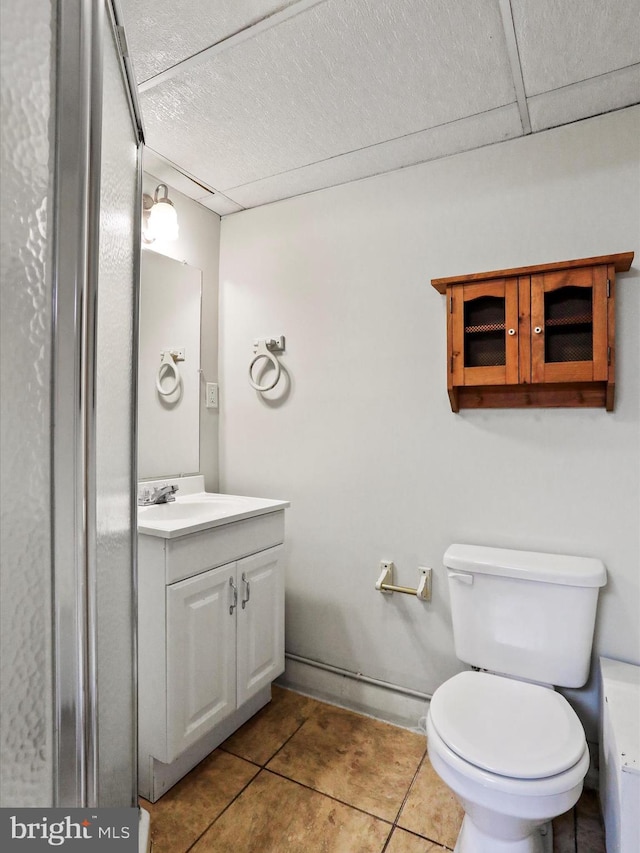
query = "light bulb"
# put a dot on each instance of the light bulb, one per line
(163, 220)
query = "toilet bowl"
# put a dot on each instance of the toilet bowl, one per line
(511, 749)
(514, 754)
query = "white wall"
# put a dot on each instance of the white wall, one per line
(364, 443)
(199, 245)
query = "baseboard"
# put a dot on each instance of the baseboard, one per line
(386, 703)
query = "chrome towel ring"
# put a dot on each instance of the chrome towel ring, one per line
(265, 348)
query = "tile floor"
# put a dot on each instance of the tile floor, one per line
(306, 777)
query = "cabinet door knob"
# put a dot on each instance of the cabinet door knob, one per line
(538, 330)
(234, 603)
(247, 587)
(512, 331)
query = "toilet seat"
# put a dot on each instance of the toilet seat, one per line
(509, 728)
(491, 783)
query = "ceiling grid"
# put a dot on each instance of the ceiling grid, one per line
(514, 60)
(252, 102)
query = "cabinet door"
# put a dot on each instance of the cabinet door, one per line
(484, 333)
(201, 656)
(569, 337)
(260, 630)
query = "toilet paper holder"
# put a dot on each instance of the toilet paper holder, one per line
(385, 582)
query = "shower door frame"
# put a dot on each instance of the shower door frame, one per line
(82, 26)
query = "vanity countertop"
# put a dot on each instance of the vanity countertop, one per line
(194, 509)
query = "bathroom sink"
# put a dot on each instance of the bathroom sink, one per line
(186, 508)
(191, 512)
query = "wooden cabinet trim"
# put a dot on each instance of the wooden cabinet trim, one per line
(621, 263)
(552, 281)
(524, 330)
(511, 326)
(547, 395)
(611, 337)
(478, 289)
(537, 323)
(600, 331)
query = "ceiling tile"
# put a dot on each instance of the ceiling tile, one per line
(166, 172)
(588, 98)
(220, 204)
(163, 32)
(563, 42)
(463, 135)
(337, 78)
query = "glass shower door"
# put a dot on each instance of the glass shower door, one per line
(96, 258)
(115, 439)
(70, 254)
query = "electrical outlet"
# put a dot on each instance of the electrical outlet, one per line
(212, 395)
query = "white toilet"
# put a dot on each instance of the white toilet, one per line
(512, 749)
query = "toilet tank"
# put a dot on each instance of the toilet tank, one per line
(523, 613)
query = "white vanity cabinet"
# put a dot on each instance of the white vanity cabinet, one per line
(225, 641)
(210, 640)
(201, 659)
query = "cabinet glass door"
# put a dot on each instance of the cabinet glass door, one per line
(569, 325)
(485, 339)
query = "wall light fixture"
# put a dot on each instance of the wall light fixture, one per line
(159, 216)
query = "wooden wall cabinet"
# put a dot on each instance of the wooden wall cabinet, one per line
(533, 336)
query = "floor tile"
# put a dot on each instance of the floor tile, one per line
(431, 809)
(261, 737)
(564, 835)
(223, 806)
(589, 828)
(275, 815)
(363, 762)
(185, 811)
(405, 842)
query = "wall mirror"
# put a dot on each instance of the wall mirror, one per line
(168, 367)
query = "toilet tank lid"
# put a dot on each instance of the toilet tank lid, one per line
(526, 565)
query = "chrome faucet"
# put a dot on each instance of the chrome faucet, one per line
(157, 495)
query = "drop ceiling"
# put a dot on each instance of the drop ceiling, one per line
(246, 102)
